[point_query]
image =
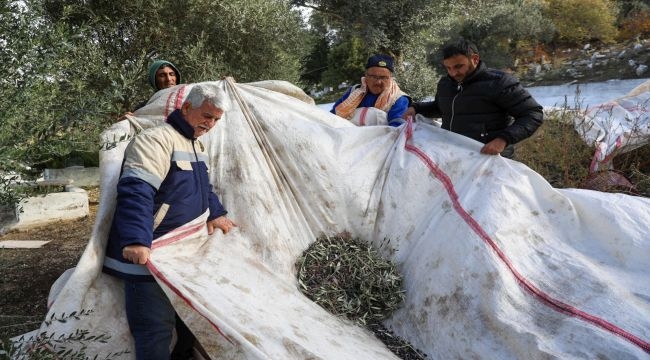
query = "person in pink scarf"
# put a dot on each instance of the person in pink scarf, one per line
(377, 92)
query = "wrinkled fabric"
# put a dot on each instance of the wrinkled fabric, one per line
(497, 264)
(616, 127)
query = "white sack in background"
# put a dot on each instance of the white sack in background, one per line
(617, 126)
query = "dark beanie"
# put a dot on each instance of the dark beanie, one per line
(157, 65)
(380, 60)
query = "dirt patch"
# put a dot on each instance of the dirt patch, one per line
(27, 274)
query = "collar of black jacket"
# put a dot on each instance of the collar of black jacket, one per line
(480, 68)
(181, 125)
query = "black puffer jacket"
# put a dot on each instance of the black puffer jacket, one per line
(489, 104)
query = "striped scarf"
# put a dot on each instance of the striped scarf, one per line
(385, 101)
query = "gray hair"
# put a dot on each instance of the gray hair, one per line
(209, 92)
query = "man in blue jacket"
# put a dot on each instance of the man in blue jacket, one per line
(485, 104)
(164, 184)
(378, 91)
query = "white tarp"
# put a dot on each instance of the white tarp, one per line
(497, 263)
(616, 126)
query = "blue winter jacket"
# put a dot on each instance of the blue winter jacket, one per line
(164, 184)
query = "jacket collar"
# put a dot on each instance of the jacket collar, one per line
(178, 122)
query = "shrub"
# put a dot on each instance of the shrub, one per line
(577, 21)
(556, 151)
(637, 24)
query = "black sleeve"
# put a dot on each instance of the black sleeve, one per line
(427, 108)
(519, 104)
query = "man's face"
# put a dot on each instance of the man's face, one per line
(202, 118)
(459, 66)
(165, 77)
(378, 79)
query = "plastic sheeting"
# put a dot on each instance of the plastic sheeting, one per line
(616, 126)
(497, 263)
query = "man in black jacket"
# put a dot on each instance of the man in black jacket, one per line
(487, 105)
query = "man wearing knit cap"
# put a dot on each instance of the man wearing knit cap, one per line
(378, 100)
(162, 75)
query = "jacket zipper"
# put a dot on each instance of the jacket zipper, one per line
(453, 106)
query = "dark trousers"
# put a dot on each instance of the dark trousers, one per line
(152, 319)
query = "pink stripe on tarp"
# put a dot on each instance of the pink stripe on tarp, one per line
(609, 107)
(173, 236)
(521, 280)
(617, 145)
(177, 102)
(594, 161)
(179, 98)
(169, 101)
(177, 234)
(362, 121)
(154, 271)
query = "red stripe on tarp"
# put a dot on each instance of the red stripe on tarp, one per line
(152, 268)
(594, 160)
(362, 121)
(169, 101)
(179, 98)
(177, 234)
(521, 280)
(177, 102)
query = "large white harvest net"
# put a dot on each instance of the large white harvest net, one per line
(497, 263)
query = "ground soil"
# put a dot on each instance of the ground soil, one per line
(28, 274)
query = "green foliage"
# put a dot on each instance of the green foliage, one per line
(578, 21)
(628, 8)
(413, 75)
(355, 30)
(270, 31)
(9, 194)
(637, 24)
(71, 67)
(346, 62)
(382, 27)
(348, 278)
(315, 63)
(498, 28)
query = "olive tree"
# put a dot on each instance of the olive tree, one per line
(72, 67)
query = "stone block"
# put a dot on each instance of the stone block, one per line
(41, 210)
